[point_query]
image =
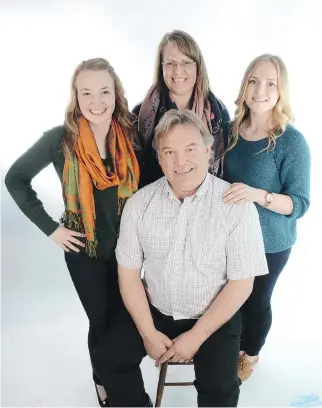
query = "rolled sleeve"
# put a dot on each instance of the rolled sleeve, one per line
(128, 251)
(245, 248)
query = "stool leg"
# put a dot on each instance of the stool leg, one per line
(162, 378)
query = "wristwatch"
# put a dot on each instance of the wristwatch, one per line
(269, 199)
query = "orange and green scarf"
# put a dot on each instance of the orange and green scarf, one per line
(85, 169)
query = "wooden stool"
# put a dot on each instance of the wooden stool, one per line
(162, 379)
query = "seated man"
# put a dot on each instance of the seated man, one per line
(199, 256)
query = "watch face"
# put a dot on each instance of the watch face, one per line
(270, 198)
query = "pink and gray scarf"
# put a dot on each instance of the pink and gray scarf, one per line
(155, 105)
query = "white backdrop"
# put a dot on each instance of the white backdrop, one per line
(41, 44)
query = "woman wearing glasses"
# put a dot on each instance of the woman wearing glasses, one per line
(180, 82)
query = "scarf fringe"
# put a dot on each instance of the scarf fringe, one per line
(91, 248)
(74, 222)
(120, 204)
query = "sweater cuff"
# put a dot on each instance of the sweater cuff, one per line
(49, 227)
(296, 207)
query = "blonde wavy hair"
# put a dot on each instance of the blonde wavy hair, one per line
(121, 112)
(189, 47)
(281, 114)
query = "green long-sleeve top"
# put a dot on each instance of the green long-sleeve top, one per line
(47, 150)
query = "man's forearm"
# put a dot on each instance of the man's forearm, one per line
(226, 304)
(135, 300)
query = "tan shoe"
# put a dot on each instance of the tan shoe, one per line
(246, 366)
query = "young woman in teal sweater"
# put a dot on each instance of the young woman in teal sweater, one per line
(268, 162)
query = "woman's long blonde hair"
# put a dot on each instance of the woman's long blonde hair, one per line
(121, 112)
(189, 47)
(281, 114)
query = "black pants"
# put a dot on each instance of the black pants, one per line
(96, 283)
(257, 311)
(119, 354)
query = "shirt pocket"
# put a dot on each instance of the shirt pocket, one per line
(156, 239)
(209, 252)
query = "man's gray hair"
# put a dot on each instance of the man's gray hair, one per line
(176, 117)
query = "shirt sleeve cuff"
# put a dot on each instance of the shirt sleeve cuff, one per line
(127, 262)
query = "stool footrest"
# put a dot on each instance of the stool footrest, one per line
(174, 384)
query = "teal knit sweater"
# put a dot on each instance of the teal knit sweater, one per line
(283, 170)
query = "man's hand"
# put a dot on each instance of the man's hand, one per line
(156, 344)
(183, 349)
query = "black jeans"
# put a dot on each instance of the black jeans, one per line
(119, 354)
(96, 282)
(257, 311)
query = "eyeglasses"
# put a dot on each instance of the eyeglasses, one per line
(172, 65)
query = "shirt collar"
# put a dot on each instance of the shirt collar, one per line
(197, 196)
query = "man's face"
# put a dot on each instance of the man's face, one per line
(184, 159)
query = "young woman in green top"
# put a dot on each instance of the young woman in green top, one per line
(93, 155)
